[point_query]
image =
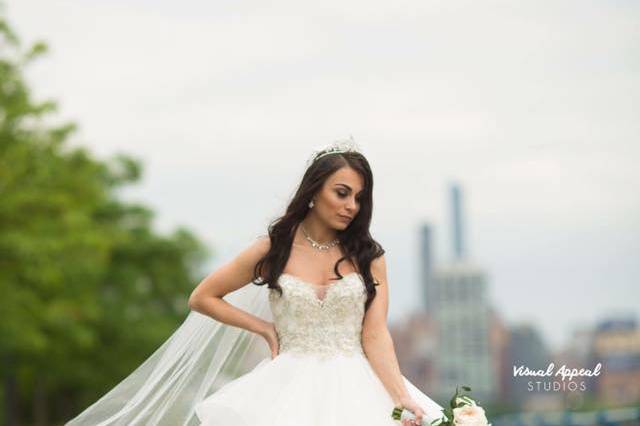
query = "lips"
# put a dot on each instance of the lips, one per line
(345, 217)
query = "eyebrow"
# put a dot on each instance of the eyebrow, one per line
(348, 187)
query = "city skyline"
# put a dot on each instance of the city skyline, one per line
(538, 127)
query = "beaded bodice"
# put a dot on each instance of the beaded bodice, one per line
(323, 320)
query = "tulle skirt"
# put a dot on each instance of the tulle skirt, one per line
(294, 389)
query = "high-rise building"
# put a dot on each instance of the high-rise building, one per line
(426, 265)
(462, 316)
(457, 300)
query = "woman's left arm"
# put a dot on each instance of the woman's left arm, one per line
(378, 344)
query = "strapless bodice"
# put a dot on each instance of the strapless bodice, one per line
(324, 323)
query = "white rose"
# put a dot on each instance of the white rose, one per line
(469, 415)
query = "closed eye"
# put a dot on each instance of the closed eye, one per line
(343, 194)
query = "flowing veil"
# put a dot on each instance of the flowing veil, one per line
(197, 359)
(201, 356)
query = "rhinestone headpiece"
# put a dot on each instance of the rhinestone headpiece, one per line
(339, 146)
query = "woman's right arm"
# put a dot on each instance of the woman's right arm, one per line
(207, 297)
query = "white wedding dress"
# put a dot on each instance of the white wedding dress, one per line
(321, 376)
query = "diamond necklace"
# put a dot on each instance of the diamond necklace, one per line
(317, 245)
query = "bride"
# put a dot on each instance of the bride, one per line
(315, 290)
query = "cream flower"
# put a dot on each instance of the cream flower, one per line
(469, 415)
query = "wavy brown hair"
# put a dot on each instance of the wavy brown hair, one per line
(355, 240)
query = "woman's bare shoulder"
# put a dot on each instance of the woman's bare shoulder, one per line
(260, 245)
(254, 251)
(233, 274)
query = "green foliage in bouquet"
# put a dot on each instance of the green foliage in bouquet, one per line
(458, 400)
(462, 410)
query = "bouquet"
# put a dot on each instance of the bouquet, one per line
(462, 411)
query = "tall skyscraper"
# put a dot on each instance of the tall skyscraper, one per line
(426, 265)
(459, 304)
(457, 230)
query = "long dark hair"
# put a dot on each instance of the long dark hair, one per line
(355, 240)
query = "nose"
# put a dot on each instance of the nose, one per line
(351, 205)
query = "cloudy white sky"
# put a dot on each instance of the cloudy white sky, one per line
(532, 106)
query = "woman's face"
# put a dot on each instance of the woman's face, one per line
(338, 202)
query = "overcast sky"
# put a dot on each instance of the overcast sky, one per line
(532, 106)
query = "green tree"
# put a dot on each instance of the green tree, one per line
(87, 289)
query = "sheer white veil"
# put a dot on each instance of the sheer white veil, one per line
(197, 359)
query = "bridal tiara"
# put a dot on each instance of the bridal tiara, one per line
(337, 147)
